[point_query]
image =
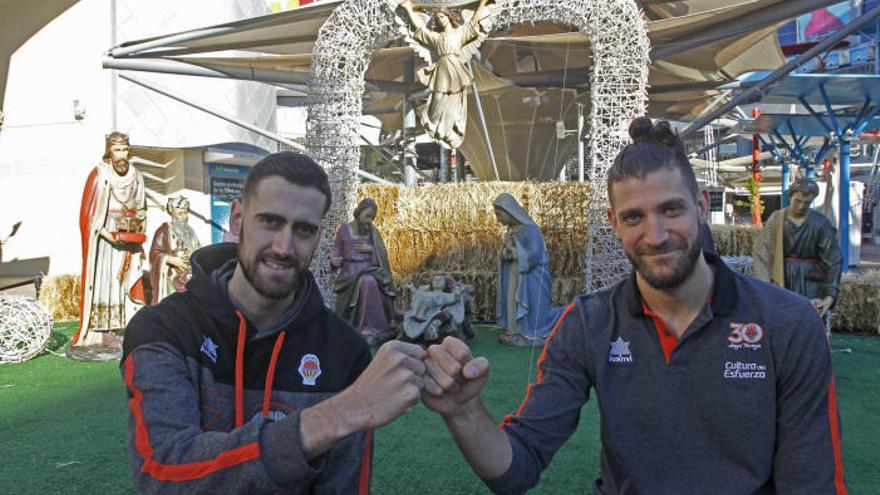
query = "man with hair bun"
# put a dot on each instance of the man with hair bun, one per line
(798, 249)
(708, 381)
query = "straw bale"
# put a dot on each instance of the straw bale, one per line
(385, 197)
(734, 240)
(565, 289)
(60, 295)
(560, 205)
(858, 304)
(453, 207)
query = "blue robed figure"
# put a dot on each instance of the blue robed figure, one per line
(523, 303)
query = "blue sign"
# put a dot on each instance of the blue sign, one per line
(227, 185)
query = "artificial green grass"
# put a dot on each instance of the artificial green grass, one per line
(62, 427)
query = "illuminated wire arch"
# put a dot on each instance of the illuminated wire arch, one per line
(358, 28)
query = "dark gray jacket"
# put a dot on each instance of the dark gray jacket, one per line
(744, 405)
(195, 428)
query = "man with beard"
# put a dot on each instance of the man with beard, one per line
(246, 382)
(708, 381)
(112, 218)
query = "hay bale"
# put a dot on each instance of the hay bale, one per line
(734, 240)
(60, 295)
(385, 197)
(560, 206)
(451, 229)
(858, 304)
(565, 289)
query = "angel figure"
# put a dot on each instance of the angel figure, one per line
(447, 49)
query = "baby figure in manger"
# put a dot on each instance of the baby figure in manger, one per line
(440, 309)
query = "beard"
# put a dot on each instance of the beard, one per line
(269, 287)
(120, 166)
(681, 267)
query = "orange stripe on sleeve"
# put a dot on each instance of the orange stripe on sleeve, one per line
(509, 417)
(177, 472)
(834, 420)
(839, 485)
(366, 465)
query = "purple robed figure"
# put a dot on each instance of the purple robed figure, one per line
(364, 289)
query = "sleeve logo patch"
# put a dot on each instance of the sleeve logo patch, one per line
(745, 336)
(309, 369)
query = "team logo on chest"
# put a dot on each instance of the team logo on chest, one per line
(309, 369)
(620, 352)
(209, 348)
(745, 336)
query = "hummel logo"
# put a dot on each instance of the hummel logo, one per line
(209, 348)
(620, 352)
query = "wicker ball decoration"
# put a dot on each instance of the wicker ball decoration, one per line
(25, 328)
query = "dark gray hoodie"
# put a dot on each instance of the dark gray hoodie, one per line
(203, 416)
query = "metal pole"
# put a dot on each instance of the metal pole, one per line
(843, 189)
(410, 159)
(238, 122)
(483, 121)
(778, 74)
(756, 174)
(785, 180)
(786, 172)
(209, 70)
(580, 140)
(169, 40)
(444, 165)
(290, 79)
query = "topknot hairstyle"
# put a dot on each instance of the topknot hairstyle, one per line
(655, 146)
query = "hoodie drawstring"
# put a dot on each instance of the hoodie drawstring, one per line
(267, 392)
(239, 372)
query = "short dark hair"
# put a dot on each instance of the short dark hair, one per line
(654, 146)
(805, 186)
(295, 168)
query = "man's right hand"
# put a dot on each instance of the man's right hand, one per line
(389, 387)
(454, 377)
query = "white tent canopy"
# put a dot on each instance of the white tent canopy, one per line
(528, 78)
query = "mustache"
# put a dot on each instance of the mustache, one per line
(281, 260)
(668, 246)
